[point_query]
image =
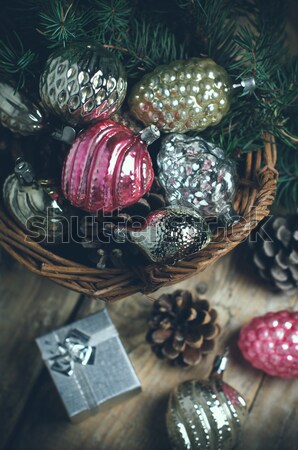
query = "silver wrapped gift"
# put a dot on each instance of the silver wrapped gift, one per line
(88, 365)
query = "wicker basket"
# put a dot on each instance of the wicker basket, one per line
(255, 195)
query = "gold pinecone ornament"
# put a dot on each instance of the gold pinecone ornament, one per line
(182, 328)
(182, 96)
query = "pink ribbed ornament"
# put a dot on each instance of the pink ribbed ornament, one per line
(108, 167)
(270, 343)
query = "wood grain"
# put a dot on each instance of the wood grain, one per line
(273, 418)
(29, 305)
(139, 424)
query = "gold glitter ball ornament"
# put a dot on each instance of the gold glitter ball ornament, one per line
(206, 414)
(182, 96)
(83, 84)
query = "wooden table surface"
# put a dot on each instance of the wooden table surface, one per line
(32, 415)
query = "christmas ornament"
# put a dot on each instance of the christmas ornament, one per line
(168, 235)
(184, 95)
(196, 173)
(206, 414)
(18, 113)
(83, 84)
(270, 343)
(35, 205)
(275, 252)
(182, 328)
(108, 167)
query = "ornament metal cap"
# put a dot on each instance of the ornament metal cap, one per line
(220, 364)
(149, 134)
(67, 135)
(24, 172)
(248, 83)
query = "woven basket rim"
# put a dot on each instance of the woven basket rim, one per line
(253, 199)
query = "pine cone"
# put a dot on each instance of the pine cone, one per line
(182, 328)
(276, 255)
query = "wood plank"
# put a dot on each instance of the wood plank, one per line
(29, 305)
(272, 423)
(140, 422)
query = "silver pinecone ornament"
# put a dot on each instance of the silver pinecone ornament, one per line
(196, 174)
(19, 113)
(83, 83)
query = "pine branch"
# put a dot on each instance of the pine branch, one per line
(258, 48)
(211, 27)
(144, 46)
(113, 16)
(112, 19)
(62, 21)
(243, 36)
(15, 61)
(149, 46)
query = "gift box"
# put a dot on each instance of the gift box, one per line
(88, 365)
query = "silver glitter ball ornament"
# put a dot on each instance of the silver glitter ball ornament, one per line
(83, 84)
(19, 113)
(206, 414)
(195, 173)
(169, 235)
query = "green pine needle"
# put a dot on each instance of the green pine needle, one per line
(113, 15)
(153, 44)
(15, 62)
(62, 22)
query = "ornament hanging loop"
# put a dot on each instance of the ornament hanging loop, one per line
(220, 365)
(24, 172)
(149, 134)
(67, 135)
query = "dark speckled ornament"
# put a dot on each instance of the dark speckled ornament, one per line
(169, 235)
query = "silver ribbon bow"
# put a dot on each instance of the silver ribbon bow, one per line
(74, 349)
